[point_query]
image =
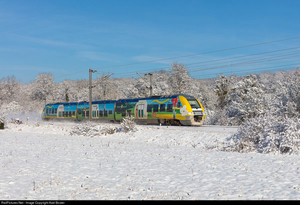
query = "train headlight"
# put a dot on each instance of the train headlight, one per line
(198, 112)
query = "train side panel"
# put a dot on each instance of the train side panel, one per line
(50, 111)
(125, 108)
(150, 110)
(176, 109)
(67, 111)
(83, 110)
(161, 109)
(103, 111)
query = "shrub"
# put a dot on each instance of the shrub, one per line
(92, 130)
(3, 120)
(127, 124)
(266, 134)
(110, 130)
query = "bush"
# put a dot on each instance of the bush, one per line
(266, 134)
(93, 130)
(3, 120)
(127, 124)
(110, 130)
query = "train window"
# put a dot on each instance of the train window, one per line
(70, 113)
(105, 113)
(119, 108)
(110, 112)
(124, 114)
(79, 111)
(83, 114)
(155, 108)
(52, 111)
(119, 105)
(67, 114)
(74, 113)
(169, 108)
(46, 111)
(87, 114)
(101, 113)
(194, 103)
(63, 114)
(162, 108)
(149, 108)
(55, 110)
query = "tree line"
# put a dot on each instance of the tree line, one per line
(227, 100)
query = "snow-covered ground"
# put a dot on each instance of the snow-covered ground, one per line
(154, 162)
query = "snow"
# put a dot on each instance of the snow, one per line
(153, 162)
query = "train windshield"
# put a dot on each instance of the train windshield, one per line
(194, 103)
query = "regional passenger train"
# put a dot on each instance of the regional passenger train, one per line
(175, 110)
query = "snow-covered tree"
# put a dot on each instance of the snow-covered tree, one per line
(9, 89)
(43, 87)
(222, 89)
(160, 84)
(179, 79)
(284, 99)
(246, 100)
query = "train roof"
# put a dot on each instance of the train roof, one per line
(155, 97)
(121, 100)
(82, 103)
(63, 103)
(103, 101)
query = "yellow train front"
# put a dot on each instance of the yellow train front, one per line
(175, 110)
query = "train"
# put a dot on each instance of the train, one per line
(177, 109)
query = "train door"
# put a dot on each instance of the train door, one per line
(95, 111)
(60, 111)
(141, 110)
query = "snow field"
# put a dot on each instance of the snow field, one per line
(154, 162)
